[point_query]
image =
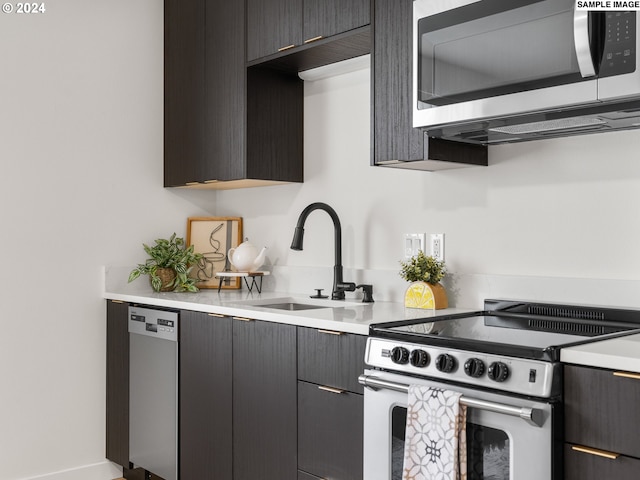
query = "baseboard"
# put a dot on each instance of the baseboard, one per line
(97, 471)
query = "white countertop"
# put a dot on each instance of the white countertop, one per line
(622, 353)
(350, 316)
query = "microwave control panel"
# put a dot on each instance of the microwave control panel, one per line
(619, 55)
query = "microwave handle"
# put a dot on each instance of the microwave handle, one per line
(581, 42)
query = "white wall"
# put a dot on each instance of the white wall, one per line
(81, 155)
(566, 209)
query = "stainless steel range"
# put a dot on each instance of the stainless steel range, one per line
(505, 362)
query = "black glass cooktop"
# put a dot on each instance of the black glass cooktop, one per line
(521, 329)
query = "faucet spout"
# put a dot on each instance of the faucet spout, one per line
(298, 236)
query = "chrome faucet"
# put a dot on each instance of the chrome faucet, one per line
(339, 286)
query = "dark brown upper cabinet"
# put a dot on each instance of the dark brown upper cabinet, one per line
(272, 26)
(325, 18)
(225, 125)
(276, 26)
(394, 141)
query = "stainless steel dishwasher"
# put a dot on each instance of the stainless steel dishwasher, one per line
(153, 391)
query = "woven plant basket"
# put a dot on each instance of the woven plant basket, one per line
(167, 275)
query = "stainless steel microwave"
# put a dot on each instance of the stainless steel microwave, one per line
(495, 71)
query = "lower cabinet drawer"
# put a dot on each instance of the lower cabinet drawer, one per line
(329, 433)
(586, 466)
(601, 409)
(331, 358)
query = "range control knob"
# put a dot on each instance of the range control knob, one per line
(474, 367)
(445, 363)
(399, 355)
(419, 358)
(498, 372)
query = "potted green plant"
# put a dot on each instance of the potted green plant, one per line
(169, 265)
(425, 291)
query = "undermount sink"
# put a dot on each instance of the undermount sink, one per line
(293, 306)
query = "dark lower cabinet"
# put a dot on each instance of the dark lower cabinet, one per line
(602, 420)
(205, 396)
(585, 466)
(330, 423)
(117, 401)
(264, 401)
(258, 400)
(331, 358)
(330, 404)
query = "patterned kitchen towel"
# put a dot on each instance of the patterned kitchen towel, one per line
(435, 443)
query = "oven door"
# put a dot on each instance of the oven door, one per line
(501, 444)
(490, 59)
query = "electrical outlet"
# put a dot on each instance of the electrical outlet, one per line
(437, 246)
(413, 243)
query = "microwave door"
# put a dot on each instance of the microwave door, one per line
(508, 105)
(491, 60)
(619, 72)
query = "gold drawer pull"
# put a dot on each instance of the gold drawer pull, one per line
(243, 319)
(191, 184)
(219, 315)
(635, 376)
(117, 301)
(330, 332)
(282, 49)
(330, 389)
(596, 452)
(314, 39)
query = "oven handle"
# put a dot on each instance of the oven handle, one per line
(533, 416)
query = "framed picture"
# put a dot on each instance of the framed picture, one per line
(213, 237)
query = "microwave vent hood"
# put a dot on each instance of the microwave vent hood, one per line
(594, 119)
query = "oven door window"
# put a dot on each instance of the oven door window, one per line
(482, 50)
(488, 449)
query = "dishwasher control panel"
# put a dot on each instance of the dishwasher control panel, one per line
(154, 323)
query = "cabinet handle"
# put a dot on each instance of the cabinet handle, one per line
(191, 184)
(595, 451)
(314, 39)
(282, 49)
(330, 389)
(117, 301)
(330, 332)
(219, 315)
(211, 181)
(243, 319)
(635, 376)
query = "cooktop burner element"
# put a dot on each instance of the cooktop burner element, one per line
(509, 346)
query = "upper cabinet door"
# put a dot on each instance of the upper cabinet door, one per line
(323, 18)
(272, 25)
